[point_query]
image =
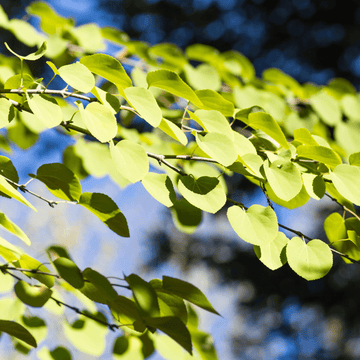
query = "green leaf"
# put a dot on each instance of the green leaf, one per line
(243, 145)
(319, 153)
(258, 225)
(304, 136)
(59, 353)
(346, 179)
(68, 270)
(14, 329)
(160, 187)
(354, 159)
(171, 82)
(284, 178)
(93, 293)
(107, 211)
(126, 312)
(186, 217)
(46, 109)
(314, 185)
(273, 255)
(6, 188)
(99, 119)
(173, 131)
(50, 20)
(130, 159)
(312, 260)
(170, 305)
(213, 121)
(107, 99)
(7, 224)
(206, 192)
(33, 56)
(143, 101)
(351, 106)
(266, 123)
(32, 295)
(276, 76)
(334, 226)
(218, 146)
(299, 200)
(8, 251)
(27, 262)
(107, 67)
(6, 112)
(171, 56)
(77, 76)
(144, 295)
(173, 327)
(211, 100)
(100, 282)
(204, 76)
(87, 335)
(187, 292)
(327, 107)
(60, 181)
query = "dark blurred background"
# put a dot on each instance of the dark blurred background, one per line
(279, 315)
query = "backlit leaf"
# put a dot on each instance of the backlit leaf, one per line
(206, 192)
(7, 224)
(46, 109)
(284, 178)
(346, 179)
(219, 146)
(171, 82)
(211, 100)
(77, 76)
(145, 104)
(327, 107)
(130, 159)
(109, 68)
(27, 262)
(319, 153)
(100, 121)
(273, 255)
(60, 181)
(6, 188)
(173, 131)
(160, 187)
(258, 225)
(312, 260)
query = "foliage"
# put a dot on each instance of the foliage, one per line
(303, 144)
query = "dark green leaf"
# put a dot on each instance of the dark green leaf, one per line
(144, 294)
(32, 295)
(187, 292)
(107, 211)
(68, 270)
(14, 329)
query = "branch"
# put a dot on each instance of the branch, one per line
(24, 189)
(61, 93)
(343, 206)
